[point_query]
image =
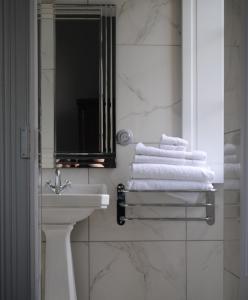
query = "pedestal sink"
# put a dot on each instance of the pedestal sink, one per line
(59, 215)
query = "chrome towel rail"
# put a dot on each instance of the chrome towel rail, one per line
(122, 205)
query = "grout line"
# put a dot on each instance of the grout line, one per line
(88, 219)
(186, 255)
(89, 256)
(232, 46)
(144, 241)
(186, 270)
(89, 272)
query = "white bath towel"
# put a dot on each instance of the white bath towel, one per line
(231, 158)
(231, 184)
(232, 171)
(172, 147)
(230, 149)
(169, 140)
(153, 151)
(168, 185)
(168, 161)
(170, 172)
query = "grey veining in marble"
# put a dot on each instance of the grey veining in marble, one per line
(147, 22)
(149, 89)
(138, 270)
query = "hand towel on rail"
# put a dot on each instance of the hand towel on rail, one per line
(169, 140)
(171, 172)
(230, 149)
(172, 147)
(168, 185)
(153, 151)
(168, 161)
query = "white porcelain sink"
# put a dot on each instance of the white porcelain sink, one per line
(59, 214)
(74, 204)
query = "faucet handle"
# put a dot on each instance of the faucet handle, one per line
(67, 182)
(49, 182)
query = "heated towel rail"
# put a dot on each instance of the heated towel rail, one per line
(122, 205)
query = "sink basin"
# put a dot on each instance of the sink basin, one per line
(59, 214)
(74, 204)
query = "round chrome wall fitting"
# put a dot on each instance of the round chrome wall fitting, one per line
(124, 137)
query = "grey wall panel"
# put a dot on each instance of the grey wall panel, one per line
(16, 245)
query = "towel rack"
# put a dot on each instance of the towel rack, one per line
(122, 205)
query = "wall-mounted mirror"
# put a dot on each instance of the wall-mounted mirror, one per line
(77, 85)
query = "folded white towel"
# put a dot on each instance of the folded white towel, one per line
(232, 171)
(153, 151)
(231, 158)
(229, 149)
(169, 140)
(170, 172)
(172, 147)
(168, 185)
(231, 184)
(168, 161)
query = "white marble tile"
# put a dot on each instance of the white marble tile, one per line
(231, 205)
(232, 211)
(232, 256)
(80, 176)
(80, 254)
(103, 225)
(233, 88)
(138, 271)
(205, 270)
(231, 197)
(233, 22)
(201, 230)
(149, 91)
(231, 229)
(147, 22)
(231, 286)
(43, 268)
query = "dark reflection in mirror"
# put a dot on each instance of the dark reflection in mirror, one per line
(85, 86)
(84, 90)
(77, 110)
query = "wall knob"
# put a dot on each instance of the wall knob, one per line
(124, 137)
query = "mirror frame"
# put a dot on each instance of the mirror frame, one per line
(107, 88)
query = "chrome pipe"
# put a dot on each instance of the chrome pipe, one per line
(166, 204)
(164, 219)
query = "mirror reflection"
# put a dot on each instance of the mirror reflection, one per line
(77, 85)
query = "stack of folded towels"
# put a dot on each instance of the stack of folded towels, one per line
(170, 167)
(231, 167)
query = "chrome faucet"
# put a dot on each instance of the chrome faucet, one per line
(58, 187)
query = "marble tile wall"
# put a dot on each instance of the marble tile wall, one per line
(233, 116)
(146, 260)
(233, 65)
(232, 232)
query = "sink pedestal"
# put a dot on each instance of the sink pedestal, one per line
(59, 275)
(60, 212)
